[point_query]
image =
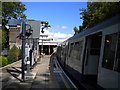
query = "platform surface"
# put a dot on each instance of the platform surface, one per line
(46, 75)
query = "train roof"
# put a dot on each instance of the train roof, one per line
(104, 24)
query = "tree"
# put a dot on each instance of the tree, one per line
(13, 54)
(97, 12)
(3, 38)
(76, 30)
(3, 61)
(11, 10)
(0, 40)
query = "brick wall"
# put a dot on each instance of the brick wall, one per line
(13, 33)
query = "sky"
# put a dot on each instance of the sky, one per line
(62, 16)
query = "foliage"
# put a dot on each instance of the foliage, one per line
(0, 11)
(76, 30)
(3, 39)
(3, 61)
(97, 12)
(11, 10)
(0, 38)
(13, 54)
(19, 54)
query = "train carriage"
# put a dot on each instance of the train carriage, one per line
(92, 57)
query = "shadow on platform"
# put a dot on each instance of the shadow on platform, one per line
(15, 72)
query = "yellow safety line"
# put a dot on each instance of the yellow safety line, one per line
(65, 82)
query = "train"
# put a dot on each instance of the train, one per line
(92, 57)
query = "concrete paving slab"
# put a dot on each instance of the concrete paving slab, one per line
(45, 76)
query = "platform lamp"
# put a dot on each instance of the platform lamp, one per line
(44, 25)
(23, 35)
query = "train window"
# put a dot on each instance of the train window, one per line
(72, 44)
(96, 41)
(95, 45)
(71, 49)
(109, 51)
(76, 43)
(78, 50)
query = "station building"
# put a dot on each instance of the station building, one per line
(35, 41)
(47, 45)
(13, 40)
(15, 30)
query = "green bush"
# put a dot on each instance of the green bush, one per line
(13, 54)
(20, 54)
(3, 61)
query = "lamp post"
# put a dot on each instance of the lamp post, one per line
(44, 25)
(23, 34)
(23, 48)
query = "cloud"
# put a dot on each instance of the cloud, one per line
(58, 37)
(73, 31)
(64, 27)
(58, 27)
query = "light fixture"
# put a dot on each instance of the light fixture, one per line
(28, 31)
(18, 26)
(108, 41)
(7, 26)
(47, 26)
(42, 31)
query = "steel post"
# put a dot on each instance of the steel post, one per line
(23, 49)
(42, 47)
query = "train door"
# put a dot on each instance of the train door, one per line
(109, 73)
(66, 54)
(117, 64)
(91, 58)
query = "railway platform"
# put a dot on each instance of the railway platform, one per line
(47, 74)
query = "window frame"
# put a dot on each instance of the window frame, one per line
(116, 62)
(104, 64)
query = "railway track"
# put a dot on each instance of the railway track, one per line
(66, 80)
